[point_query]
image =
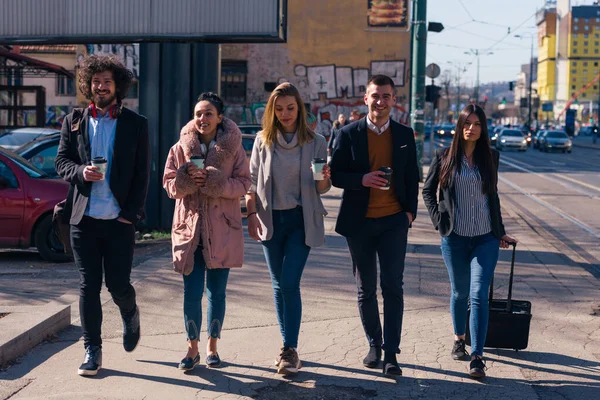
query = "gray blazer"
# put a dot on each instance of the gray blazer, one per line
(262, 184)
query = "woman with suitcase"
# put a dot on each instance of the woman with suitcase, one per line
(467, 215)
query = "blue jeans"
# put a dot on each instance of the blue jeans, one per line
(286, 254)
(471, 262)
(193, 288)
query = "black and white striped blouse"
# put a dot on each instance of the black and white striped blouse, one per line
(472, 214)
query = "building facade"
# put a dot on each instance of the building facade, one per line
(569, 59)
(331, 52)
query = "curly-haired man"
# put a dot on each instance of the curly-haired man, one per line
(104, 155)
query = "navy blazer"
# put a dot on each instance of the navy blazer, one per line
(130, 170)
(350, 162)
(442, 210)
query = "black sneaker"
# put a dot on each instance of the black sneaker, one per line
(131, 331)
(390, 365)
(188, 364)
(458, 350)
(92, 361)
(477, 368)
(213, 360)
(373, 357)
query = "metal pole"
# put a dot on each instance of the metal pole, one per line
(530, 82)
(431, 135)
(419, 49)
(477, 87)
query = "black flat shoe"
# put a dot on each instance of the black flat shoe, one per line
(459, 352)
(213, 360)
(390, 368)
(373, 357)
(477, 368)
(188, 363)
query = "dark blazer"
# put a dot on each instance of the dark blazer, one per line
(350, 162)
(442, 211)
(130, 168)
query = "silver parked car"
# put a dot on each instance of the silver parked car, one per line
(511, 139)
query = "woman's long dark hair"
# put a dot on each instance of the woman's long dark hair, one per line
(482, 156)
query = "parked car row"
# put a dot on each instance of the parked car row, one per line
(553, 140)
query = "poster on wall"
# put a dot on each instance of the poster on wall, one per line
(387, 13)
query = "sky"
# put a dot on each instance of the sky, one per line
(483, 26)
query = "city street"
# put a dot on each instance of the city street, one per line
(549, 204)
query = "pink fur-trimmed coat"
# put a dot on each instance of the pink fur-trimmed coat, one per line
(210, 213)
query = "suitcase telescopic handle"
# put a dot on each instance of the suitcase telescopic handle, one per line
(510, 280)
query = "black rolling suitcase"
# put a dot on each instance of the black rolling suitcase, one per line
(509, 322)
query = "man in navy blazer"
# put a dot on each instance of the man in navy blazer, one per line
(375, 214)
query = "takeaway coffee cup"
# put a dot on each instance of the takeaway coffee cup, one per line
(388, 175)
(317, 167)
(100, 163)
(198, 160)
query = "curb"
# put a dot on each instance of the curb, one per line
(27, 326)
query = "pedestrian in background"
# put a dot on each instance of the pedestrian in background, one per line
(285, 211)
(376, 212)
(206, 173)
(104, 154)
(467, 215)
(354, 116)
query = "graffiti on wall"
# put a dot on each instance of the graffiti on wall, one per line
(335, 82)
(130, 53)
(55, 115)
(242, 114)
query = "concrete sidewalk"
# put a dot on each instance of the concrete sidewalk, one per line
(586, 142)
(562, 360)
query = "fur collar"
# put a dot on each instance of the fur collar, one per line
(229, 139)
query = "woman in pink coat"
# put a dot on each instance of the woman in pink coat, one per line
(207, 231)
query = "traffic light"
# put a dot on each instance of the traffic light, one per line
(511, 85)
(432, 94)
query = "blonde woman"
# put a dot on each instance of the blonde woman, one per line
(285, 211)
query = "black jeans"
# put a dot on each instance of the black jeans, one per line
(386, 238)
(102, 245)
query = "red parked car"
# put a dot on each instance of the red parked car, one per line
(27, 199)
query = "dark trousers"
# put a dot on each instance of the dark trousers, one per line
(102, 245)
(385, 238)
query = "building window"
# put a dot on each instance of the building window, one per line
(595, 43)
(585, 71)
(574, 43)
(597, 36)
(574, 63)
(575, 19)
(595, 64)
(585, 63)
(586, 28)
(65, 86)
(233, 81)
(573, 87)
(573, 71)
(596, 51)
(574, 36)
(576, 27)
(574, 51)
(587, 20)
(585, 35)
(574, 79)
(597, 19)
(595, 87)
(585, 51)
(585, 43)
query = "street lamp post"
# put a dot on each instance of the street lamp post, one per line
(530, 80)
(477, 53)
(460, 67)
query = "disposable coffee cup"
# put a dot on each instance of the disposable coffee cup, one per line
(388, 175)
(198, 160)
(317, 167)
(100, 163)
